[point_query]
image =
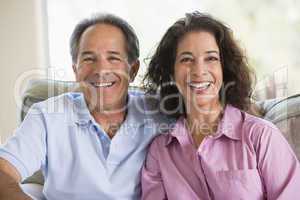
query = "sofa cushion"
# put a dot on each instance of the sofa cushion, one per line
(285, 114)
(41, 89)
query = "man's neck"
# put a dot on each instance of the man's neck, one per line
(110, 121)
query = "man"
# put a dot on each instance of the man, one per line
(95, 148)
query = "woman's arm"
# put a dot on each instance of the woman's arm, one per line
(278, 165)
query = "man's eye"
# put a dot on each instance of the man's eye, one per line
(88, 59)
(114, 59)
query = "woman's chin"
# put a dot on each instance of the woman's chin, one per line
(204, 103)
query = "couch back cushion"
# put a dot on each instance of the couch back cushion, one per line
(285, 114)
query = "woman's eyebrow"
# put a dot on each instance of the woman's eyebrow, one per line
(185, 53)
(212, 51)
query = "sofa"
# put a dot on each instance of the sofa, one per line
(284, 112)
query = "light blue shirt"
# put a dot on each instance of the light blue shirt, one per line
(78, 159)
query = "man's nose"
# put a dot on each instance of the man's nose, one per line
(102, 65)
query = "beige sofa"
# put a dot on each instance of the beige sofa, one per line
(284, 113)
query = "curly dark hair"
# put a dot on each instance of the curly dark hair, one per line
(237, 75)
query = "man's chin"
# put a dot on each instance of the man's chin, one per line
(109, 102)
(108, 107)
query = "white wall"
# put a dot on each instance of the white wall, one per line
(150, 19)
(23, 48)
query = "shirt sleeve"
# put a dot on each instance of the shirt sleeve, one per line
(26, 149)
(278, 165)
(152, 183)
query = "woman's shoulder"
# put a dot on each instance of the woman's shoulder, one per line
(260, 131)
(252, 122)
(166, 136)
(161, 140)
(249, 127)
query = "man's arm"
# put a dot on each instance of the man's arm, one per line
(9, 182)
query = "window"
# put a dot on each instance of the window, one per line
(149, 19)
(267, 29)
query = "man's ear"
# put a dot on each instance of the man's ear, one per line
(75, 70)
(134, 70)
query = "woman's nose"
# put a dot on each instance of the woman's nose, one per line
(199, 67)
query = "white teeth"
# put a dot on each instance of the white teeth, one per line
(103, 84)
(202, 85)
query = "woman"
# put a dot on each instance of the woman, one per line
(216, 150)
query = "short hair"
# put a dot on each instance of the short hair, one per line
(160, 74)
(110, 19)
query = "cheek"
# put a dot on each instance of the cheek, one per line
(217, 73)
(81, 73)
(220, 76)
(124, 76)
(180, 77)
(179, 73)
(80, 76)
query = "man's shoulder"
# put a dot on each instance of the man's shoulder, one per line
(58, 104)
(146, 107)
(147, 102)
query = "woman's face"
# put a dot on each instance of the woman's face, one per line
(198, 70)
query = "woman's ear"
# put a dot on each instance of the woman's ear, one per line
(134, 68)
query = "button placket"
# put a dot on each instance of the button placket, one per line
(199, 168)
(103, 143)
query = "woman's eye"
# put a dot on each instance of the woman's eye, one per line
(212, 58)
(185, 60)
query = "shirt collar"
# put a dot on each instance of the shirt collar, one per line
(231, 123)
(179, 132)
(81, 114)
(136, 115)
(229, 126)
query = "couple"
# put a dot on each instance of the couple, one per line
(104, 144)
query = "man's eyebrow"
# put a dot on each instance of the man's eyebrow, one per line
(86, 53)
(91, 53)
(114, 52)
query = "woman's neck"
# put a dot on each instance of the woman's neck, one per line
(204, 121)
(205, 115)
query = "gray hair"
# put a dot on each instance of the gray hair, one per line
(128, 31)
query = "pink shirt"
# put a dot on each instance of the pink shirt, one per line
(247, 158)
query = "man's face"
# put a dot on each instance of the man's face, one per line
(102, 67)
